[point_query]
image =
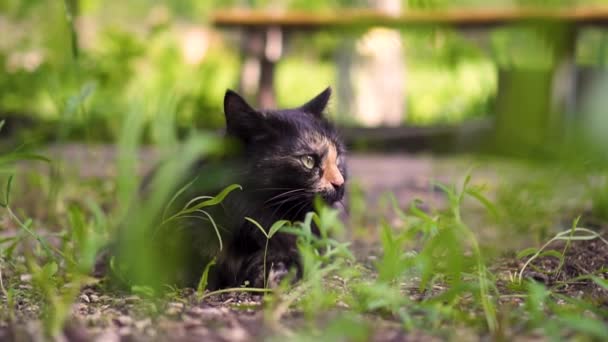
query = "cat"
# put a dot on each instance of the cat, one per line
(287, 158)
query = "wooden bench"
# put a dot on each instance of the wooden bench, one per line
(261, 29)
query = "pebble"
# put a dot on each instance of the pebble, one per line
(108, 335)
(190, 323)
(142, 324)
(235, 333)
(196, 311)
(105, 298)
(84, 298)
(123, 320)
(174, 308)
(132, 299)
(124, 331)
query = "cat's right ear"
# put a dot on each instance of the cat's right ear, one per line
(242, 120)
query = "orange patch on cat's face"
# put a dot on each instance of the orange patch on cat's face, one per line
(331, 173)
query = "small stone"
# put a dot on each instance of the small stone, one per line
(108, 335)
(213, 313)
(105, 298)
(124, 331)
(81, 308)
(132, 299)
(141, 325)
(26, 278)
(235, 333)
(84, 298)
(123, 320)
(94, 298)
(199, 331)
(190, 323)
(174, 308)
(196, 311)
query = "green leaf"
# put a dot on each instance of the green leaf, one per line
(143, 290)
(7, 192)
(49, 270)
(77, 222)
(8, 251)
(101, 223)
(217, 230)
(217, 199)
(585, 325)
(475, 193)
(7, 239)
(255, 223)
(176, 195)
(419, 213)
(601, 282)
(552, 253)
(275, 227)
(395, 205)
(448, 191)
(13, 157)
(526, 252)
(1, 124)
(202, 284)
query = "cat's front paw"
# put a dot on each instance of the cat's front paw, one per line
(278, 272)
(275, 271)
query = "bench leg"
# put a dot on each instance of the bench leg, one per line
(261, 50)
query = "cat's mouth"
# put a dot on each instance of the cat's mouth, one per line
(333, 196)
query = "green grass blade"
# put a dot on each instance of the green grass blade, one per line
(217, 199)
(255, 223)
(14, 157)
(7, 192)
(217, 231)
(202, 284)
(276, 226)
(176, 195)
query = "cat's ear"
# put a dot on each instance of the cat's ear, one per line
(317, 105)
(242, 120)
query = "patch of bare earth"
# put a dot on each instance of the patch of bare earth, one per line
(102, 315)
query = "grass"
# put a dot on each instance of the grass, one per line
(432, 274)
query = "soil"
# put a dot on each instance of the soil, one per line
(102, 316)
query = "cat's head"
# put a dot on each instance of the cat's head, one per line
(292, 153)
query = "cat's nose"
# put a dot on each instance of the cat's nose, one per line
(334, 177)
(337, 184)
(337, 181)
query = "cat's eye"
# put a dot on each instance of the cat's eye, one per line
(308, 161)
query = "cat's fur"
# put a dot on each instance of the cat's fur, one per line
(279, 182)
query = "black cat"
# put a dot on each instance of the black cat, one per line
(287, 158)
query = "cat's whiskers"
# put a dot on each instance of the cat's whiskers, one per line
(270, 189)
(301, 199)
(302, 206)
(284, 194)
(281, 201)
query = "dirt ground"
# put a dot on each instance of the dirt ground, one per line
(238, 317)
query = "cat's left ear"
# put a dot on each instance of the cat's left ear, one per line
(317, 105)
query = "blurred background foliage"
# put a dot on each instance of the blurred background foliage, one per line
(167, 53)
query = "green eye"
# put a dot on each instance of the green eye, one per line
(308, 161)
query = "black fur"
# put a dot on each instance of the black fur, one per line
(275, 186)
